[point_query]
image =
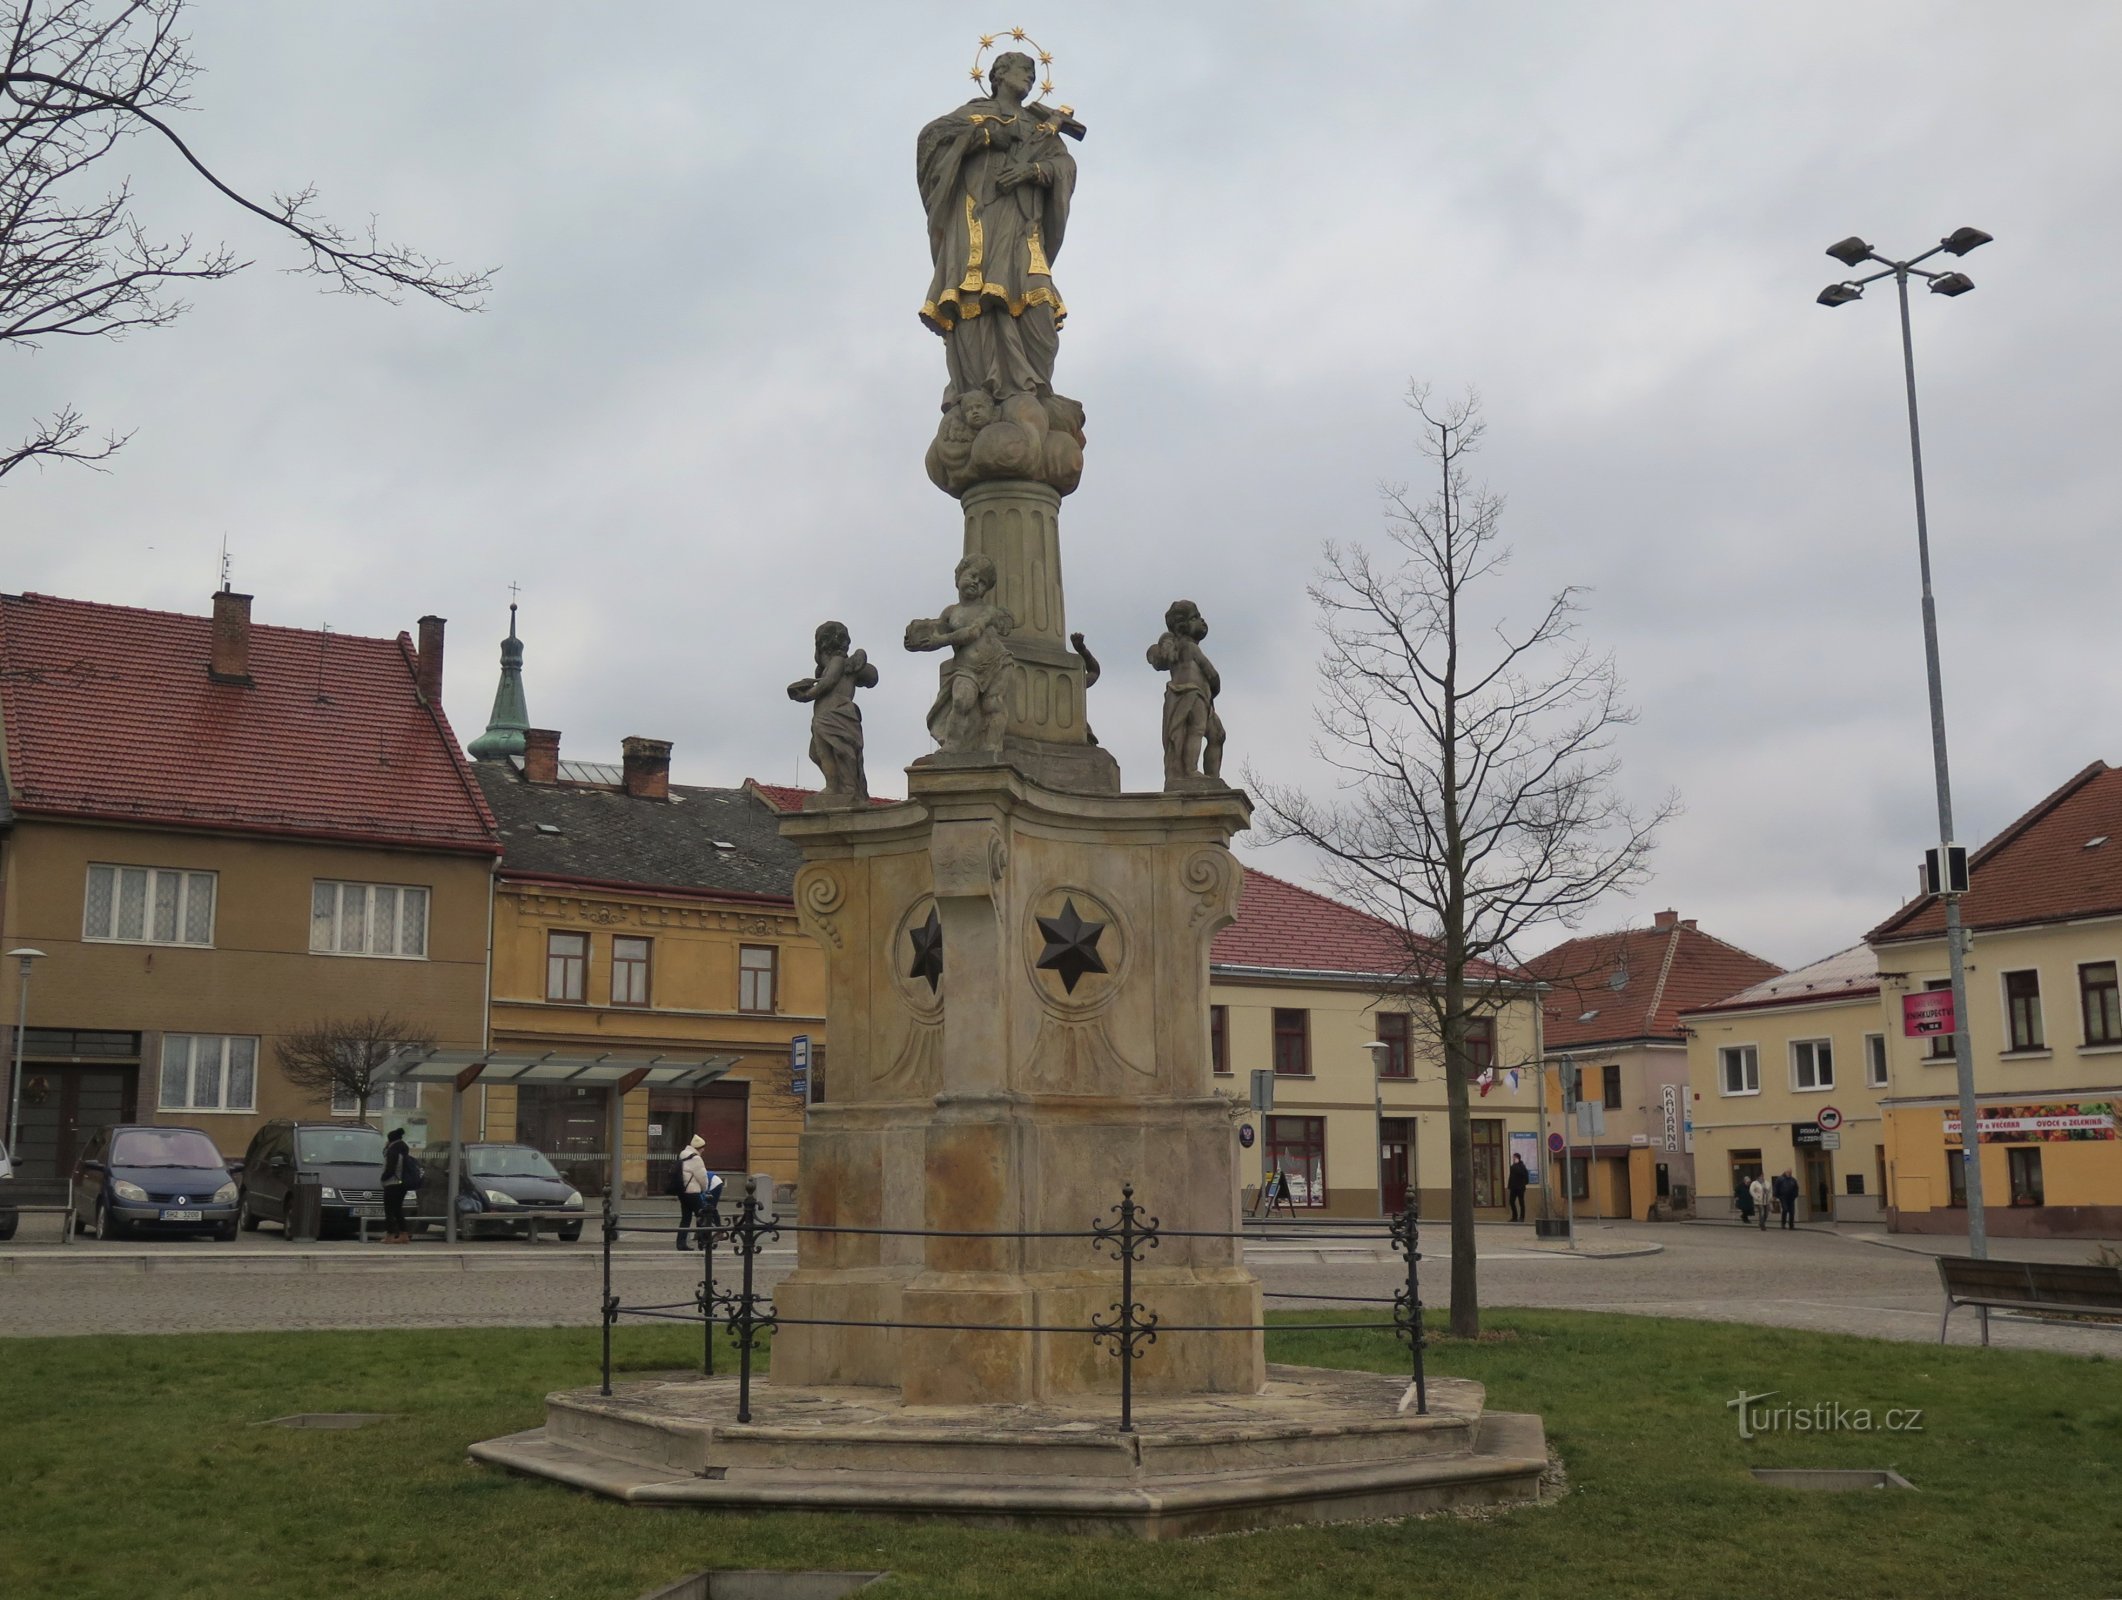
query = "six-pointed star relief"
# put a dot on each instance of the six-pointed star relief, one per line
(928, 950)
(1071, 946)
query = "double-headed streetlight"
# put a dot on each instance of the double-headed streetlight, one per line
(1853, 253)
(14, 1080)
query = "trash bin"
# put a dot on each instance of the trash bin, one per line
(305, 1210)
(1551, 1228)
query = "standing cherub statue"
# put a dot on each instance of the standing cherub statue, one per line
(1193, 733)
(972, 697)
(835, 719)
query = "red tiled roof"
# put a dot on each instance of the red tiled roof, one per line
(785, 798)
(2045, 867)
(1284, 928)
(109, 713)
(1634, 984)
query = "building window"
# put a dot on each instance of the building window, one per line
(2025, 1166)
(2022, 1005)
(1580, 1183)
(1610, 1085)
(367, 919)
(566, 965)
(1941, 1044)
(1739, 1069)
(1293, 1043)
(386, 1097)
(755, 977)
(148, 905)
(1219, 1038)
(1812, 1064)
(1488, 1161)
(1956, 1178)
(207, 1072)
(1296, 1148)
(1481, 1043)
(2101, 1001)
(1392, 1033)
(1875, 1060)
(629, 972)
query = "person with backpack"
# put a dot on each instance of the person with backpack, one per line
(401, 1171)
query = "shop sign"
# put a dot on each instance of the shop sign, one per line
(1927, 1012)
(1669, 1109)
(1805, 1135)
(2039, 1124)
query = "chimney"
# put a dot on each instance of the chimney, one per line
(429, 669)
(647, 767)
(1666, 921)
(231, 660)
(541, 755)
(1690, 924)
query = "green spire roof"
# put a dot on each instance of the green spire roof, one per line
(504, 729)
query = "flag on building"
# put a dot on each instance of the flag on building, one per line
(1487, 1081)
(1512, 1075)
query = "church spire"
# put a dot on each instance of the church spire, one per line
(504, 729)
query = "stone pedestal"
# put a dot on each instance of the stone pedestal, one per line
(1017, 525)
(1018, 1090)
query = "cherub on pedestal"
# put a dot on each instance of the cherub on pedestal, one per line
(971, 711)
(1193, 733)
(835, 719)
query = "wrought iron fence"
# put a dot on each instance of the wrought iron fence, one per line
(1130, 1329)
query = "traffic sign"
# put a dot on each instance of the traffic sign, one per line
(1829, 1119)
(1556, 1144)
(1830, 1141)
(799, 1067)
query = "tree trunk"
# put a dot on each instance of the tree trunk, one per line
(1466, 1301)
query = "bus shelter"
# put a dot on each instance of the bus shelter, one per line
(461, 1069)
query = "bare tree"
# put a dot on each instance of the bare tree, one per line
(1476, 776)
(77, 78)
(344, 1057)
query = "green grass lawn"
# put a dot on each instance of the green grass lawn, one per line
(130, 1469)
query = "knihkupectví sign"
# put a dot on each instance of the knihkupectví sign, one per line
(1927, 1012)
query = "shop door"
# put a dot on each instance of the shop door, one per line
(1819, 1186)
(1392, 1165)
(62, 1109)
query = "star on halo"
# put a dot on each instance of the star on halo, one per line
(1071, 946)
(1017, 34)
(928, 951)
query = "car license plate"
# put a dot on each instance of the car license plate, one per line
(183, 1216)
(371, 1212)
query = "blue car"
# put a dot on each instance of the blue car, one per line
(148, 1179)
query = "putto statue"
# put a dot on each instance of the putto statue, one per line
(1193, 733)
(835, 719)
(971, 711)
(996, 182)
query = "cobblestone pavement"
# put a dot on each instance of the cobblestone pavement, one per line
(1833, 1282)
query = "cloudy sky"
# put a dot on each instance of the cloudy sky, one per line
(690, 421)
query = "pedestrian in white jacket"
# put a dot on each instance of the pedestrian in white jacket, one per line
(692, 1198)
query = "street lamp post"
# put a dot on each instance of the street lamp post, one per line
(14, 1081)
(1380, 1051)
(1854, 252)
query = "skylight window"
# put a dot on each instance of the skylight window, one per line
(2096, 841)
(1589, 1015)
(547, 827)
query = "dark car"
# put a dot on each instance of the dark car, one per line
(10, 1215)
(345, 1159)
(139, 1178)
(500, 1188)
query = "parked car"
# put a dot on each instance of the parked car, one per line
(10, 1213)
(150, 1179)
(345, 1159)
(500, 1188)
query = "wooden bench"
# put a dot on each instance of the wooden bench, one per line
(2066, 1287)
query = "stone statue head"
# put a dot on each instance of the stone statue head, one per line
(976, 408)
(831, 640)
(976, 577)
(1018, 65)
(1183, 617)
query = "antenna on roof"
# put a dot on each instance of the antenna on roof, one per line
(225, 584)
(324, 634)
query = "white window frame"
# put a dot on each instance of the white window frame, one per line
(221, 1046)
(334, 938)
(2005, 1046)
(1751, 1055)
(400, 1096)
(184, 881)
(1875, 1061)
(1816, 1048)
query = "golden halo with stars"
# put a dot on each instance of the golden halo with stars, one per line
(1008, 38)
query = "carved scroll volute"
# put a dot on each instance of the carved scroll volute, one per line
(1215, 880)
(821, 899)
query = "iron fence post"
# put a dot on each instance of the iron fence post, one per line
(745, 1321)
(707, 1302)
(1407, 1301)
(610, 1310)
(1131, 1327)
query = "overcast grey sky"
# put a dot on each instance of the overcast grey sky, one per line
(690, 422)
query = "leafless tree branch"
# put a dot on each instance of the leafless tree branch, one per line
(345, 1056)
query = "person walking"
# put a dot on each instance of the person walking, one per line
(1515, 1184)
(692, 1192)
(1742, 1196)
(1787, 1199)
(1758, 1191)
(398, 1169)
